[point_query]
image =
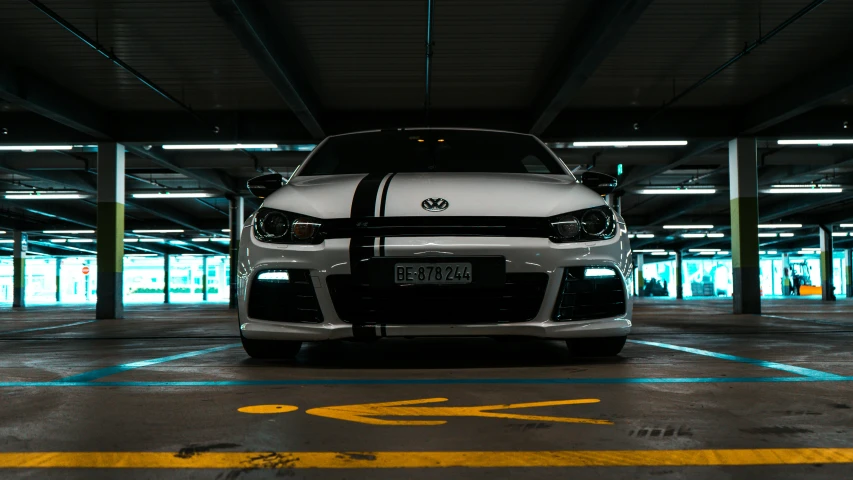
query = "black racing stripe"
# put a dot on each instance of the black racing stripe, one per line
(382, 212)
(385, 195)
(364, 199)
(363, 205)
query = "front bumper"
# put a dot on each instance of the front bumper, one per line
(523, 255)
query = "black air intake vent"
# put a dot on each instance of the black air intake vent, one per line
(588, 293)
(292, 300)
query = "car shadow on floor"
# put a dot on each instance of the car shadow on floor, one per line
(436, 353)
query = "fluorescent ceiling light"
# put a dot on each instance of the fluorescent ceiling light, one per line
(708, 253)
(173, 195)
(62, 232)
(767, 235)
(661, 254)
(201, 239)
(141, 255)
(6, 241)
(693, 235)
(781, 225)
(158, 231)
(804, 190)
(649, 250)
(220, 239)
(704, 250)
(807, 252)
(631, 235)
(33, 148)
(826, 142)
(651, 143)
(839, 234)
(58, 240)
(688, 227)
(131, 240)
(80, 240)
(846, 225)
(716, 235)
(806, 185)
(771, 252)
(45, 196)
(2, 232)
(762, 252)
(177, 242)
(645, 235)
(787, 235)
(673, 191)
(226, 230)
(152, 240)
(231, 146)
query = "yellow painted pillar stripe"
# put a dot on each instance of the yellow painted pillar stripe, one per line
(110, 237)
(481, 459)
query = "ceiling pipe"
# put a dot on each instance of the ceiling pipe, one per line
(428, 69)
(119, 62)
(748, 48)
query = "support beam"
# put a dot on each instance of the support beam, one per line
(700, 149)
(206, 178)
(679, 274)
(815, 88)
(826, 276)
(110, 234)
(263, 36)
(743, 189)
(58, 262)
(19, 269)
(599, 32)
(848, 270)
(235, 222)
(641, 282)
(167, 278)
(52, 101)
(204, 295)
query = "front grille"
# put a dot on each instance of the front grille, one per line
(586, 298)
(517, 300)
(291, 301)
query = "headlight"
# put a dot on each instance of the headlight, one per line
(276, 226)
(591, 224)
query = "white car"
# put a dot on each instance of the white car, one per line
(433, 232)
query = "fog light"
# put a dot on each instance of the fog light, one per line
(278, 276)
(598, 272)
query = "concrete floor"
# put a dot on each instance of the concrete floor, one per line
(164, 387)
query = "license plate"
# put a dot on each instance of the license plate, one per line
(433, 273)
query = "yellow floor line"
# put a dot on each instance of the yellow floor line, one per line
(279, 460)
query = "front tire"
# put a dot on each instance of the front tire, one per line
(596, 347)
(271, 349)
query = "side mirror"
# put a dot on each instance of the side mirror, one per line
(599, 183)
(264, 185)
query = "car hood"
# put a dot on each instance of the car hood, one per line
(467, 194)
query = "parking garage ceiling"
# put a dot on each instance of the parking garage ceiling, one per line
(290, 72)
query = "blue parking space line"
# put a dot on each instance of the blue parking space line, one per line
(429, 381)
(46, 328)
(105, 372)
(807, 372)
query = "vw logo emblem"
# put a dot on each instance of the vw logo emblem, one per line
(435, 204)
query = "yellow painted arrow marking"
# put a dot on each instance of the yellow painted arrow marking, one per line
(367, 413)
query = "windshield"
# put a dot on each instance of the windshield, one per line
(419, 151)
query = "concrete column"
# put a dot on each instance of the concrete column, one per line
(58, 261)
(204, 278)
(848, 255)
(826, 277)
(641, 282)
(167, 295)
(235, 223)
(110, 231)
(679, 274)
(743, 188)
(19, 269)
